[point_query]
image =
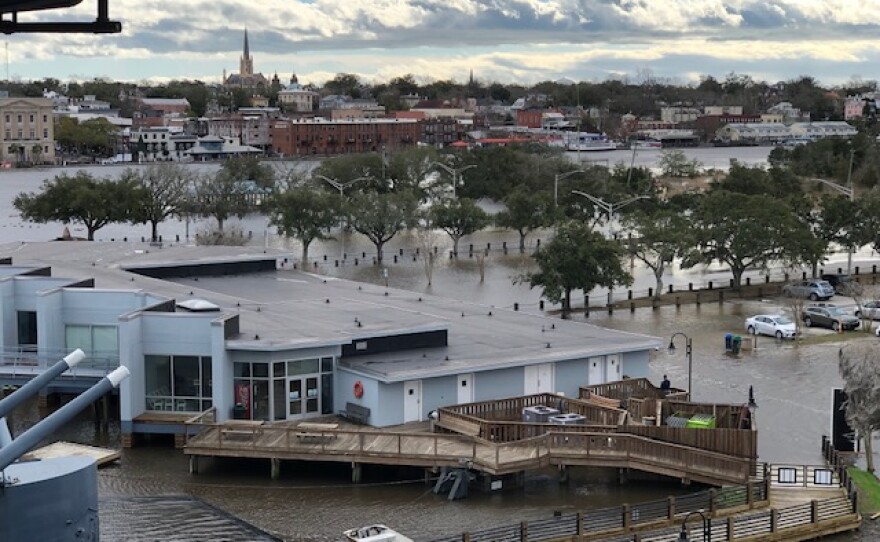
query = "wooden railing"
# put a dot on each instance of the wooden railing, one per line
(730, 511)
(641, 388)
(605, 523)
(726, 416)
(735, 442)
(572, 448)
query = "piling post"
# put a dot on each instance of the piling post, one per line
(524, 531)
(193, 464)
(356, 472)
(275, 468)
(731, 528)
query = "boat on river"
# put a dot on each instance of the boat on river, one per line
(375, 533)
(588, 142)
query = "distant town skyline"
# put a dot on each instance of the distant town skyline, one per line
(522, 41)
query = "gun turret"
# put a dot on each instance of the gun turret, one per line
(54, 421)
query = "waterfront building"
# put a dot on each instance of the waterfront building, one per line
(27, 133)
(260, 348)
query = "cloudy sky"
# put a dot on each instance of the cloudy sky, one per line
(501, 40)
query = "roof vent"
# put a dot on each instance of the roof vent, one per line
(198, 305)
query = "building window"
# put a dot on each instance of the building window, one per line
(100, 343)
(178, 383)
(20, 133)
(19, 119)
(8, 120)
(27, 330)
(33, 134)
(32, 118)
(45, 119)
(45, 133)
(8, 134)
(298, 388)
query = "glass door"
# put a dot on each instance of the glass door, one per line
(294, 398)
(303, 396)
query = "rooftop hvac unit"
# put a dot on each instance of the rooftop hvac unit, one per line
(567, 419)
(538, 414)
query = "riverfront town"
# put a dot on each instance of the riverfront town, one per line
(264, 308)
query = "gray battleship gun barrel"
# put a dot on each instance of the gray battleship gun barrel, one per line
(40, 381)
(54, 421)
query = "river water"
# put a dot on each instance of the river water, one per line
(311, 502)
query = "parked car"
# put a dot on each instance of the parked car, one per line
(870, 309)
(775, 325)
(829, 316)
(838, 281)
(811, 289)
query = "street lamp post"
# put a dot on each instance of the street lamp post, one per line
(558, 177)
(341, 186)
(847, 191)
(707, 527)
(689, 353)
(455, 172)
(609, 208)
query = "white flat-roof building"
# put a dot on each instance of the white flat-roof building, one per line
(282, 345)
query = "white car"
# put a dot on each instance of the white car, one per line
(775, 325)
(870, 309)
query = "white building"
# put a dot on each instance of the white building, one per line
(821, 130)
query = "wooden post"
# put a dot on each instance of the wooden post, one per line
(750, 494)
(275, 468)
(670, 508)
(627, 516)
(731, 528)
(814, 511)
(524, 531)
(193, 464)
(579, 524)
(713, 501)
(465, 537)
(774, 519)
(356, 472)
(698, 299)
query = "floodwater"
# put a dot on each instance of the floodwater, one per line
(312, 502)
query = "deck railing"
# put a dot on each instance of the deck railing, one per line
(569, 448)
(728, 510)
(26, 361)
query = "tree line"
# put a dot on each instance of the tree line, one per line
(747, 220)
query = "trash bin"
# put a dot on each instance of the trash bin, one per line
(239, 412)
(728, 341)
(737, 344)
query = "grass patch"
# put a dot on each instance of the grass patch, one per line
(869, 490)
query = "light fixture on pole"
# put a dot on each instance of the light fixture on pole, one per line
(455, 172)
(609, 208)
(707, 527)
(558, 177)
(689, 353)
(341, 186)
(847, 191)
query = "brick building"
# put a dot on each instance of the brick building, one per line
(323, 136)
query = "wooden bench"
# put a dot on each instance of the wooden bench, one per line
(356, 413)
(241, 429)
(316, 431)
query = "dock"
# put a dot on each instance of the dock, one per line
(491, 439)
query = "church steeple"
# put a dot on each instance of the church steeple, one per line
(246, 65)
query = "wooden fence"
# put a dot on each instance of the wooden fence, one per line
(593, 524)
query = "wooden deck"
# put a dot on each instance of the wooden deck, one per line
(102, 456)
(390, 447)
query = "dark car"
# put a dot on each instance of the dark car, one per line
(838, 281)
(829, 316)
(811, 289)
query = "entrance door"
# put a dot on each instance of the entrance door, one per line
(612, 368)
(465, 389)
(303, 397)
(597, 371)
(412, 401)
(538, 379)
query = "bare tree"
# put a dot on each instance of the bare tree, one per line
(857, 292)
(427, 238)
(795, 305)
(861, 382)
